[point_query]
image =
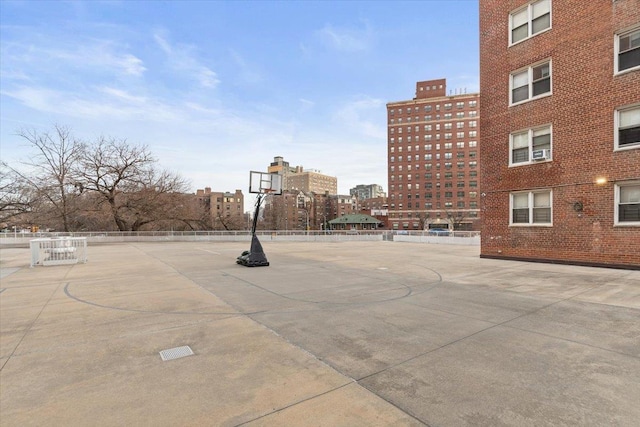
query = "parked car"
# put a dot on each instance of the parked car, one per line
(438, 232)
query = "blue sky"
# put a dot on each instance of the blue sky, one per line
(217, 89)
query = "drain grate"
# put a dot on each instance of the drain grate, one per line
(176, 353)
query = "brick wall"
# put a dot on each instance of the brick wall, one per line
(585, 94)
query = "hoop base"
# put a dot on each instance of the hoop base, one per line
(254, 257)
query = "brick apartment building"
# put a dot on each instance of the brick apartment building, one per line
(364, 191)
(433, 158)
(299, 210)
(560, 131)
(224, 210)
(377, 207)
(308, 199)
(296, 178)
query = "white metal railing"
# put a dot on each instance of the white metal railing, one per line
(94, 237)
(63, 250)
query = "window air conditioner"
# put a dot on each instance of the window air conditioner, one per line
(541, 154)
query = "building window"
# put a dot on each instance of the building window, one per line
(530, 20)
(524, 144)
(627, 122)
(531, 83)
(628, 204)
(628, 50)
(459, 105)
(531, 208)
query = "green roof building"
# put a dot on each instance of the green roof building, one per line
(354, 222)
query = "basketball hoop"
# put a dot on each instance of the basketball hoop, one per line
(262, 184)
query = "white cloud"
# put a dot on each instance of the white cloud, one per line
(103, 103)
(306, 104)
(130, 65)
(123, 95)
(248, 73)
(183, 59)
(345, 39)
(360, 116)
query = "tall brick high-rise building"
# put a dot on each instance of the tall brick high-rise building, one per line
(560, 130)
(433, 159)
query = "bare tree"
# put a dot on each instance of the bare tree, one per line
(50, 172)
(16, 196)
(456, 219)
(127, 180)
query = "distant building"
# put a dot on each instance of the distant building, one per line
(312, 181)
(370, 191)
(281, 167)
(296, 178)
(375, 203)
(224, 210)
(560, 131)
(377, 208)
(433, 158)
(356, 222)
(340, 205)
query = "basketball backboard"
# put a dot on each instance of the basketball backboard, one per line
(265, 183)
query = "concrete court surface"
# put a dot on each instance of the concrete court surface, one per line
(330, 334)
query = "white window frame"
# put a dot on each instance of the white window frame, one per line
(616, 53)
(616, 130)
(529, 11)
(530, 82)
(530, 206)
(616, 222)
(530, 132)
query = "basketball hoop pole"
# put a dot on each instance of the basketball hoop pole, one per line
(256, 213)
(262, 184)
